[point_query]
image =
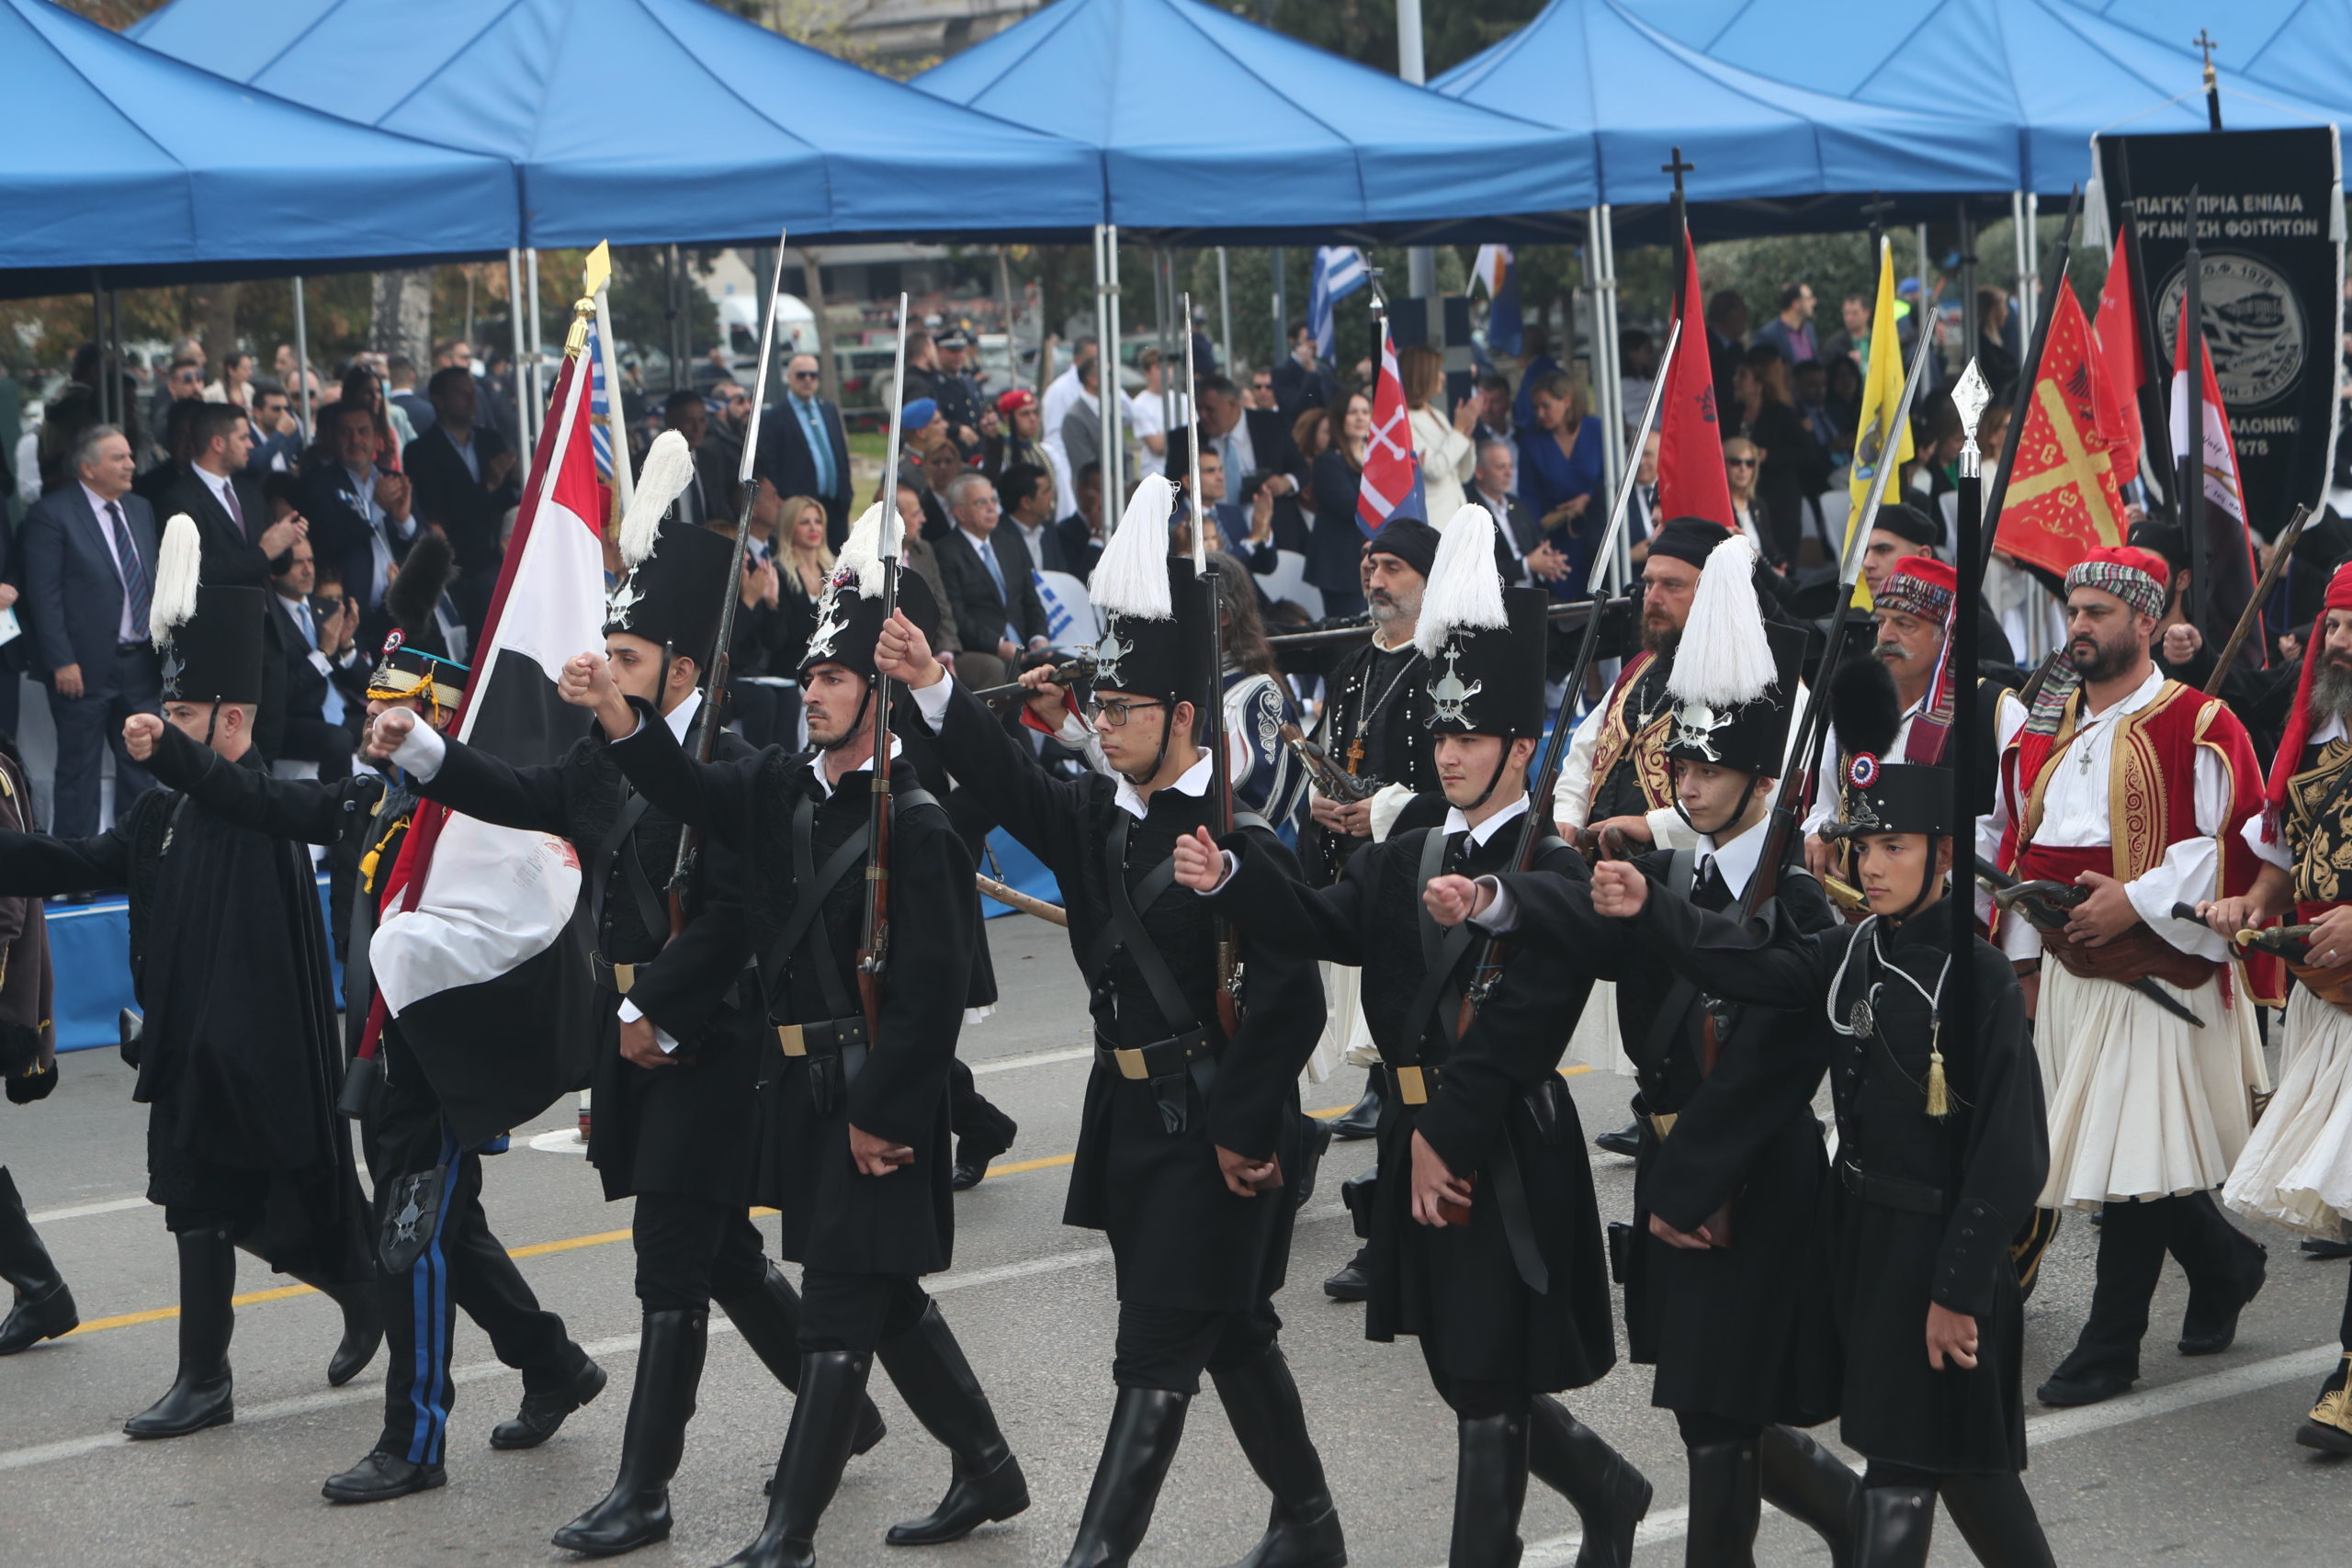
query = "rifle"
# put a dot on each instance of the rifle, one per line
(1796, 782)
(874, 944)
(1228, 943)
(1538, 824)
(1068, 672)
(1334, 781)
(2045, 906)
(2253, 611)
(1331, 634)
(1013, 898)
(713, 716)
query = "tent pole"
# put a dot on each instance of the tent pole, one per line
(1602, 245)
(1420, 262)
(531, 282)
(1114, 451)
(2030, 294)
(2019, 240)
(99, 338)
(302, 357)
(1169, 359)
(1281, 339)
(514, 344)
(1111, 501)
(1225, 316)
(1971, 318)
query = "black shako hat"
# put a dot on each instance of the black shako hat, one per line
(676, 595)
(849, 611)
(1689, 539)
(1895, 797)
(1483, 644)
(1155, 609)
(215, 655)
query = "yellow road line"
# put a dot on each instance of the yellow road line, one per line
(601, 1238)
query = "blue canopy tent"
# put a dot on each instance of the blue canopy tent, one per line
(2267, 47)
(154, 171)
(651, 121)
(2053, 69)
(1213, 129)
(1770, 157)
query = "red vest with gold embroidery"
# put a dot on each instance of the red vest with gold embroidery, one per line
(1618, 742)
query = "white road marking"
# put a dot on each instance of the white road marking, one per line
(77, 1211)
(1033, 1059)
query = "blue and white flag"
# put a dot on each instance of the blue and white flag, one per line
(1058, 619)
(1340, 271)
(600, 406)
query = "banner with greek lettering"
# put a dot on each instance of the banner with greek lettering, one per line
(2270, 228)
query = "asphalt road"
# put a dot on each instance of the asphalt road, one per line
(2197, 1466)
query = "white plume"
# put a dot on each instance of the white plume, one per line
(1463, 588)
(861, 551)
(177, 569)
(669, 468)
(1724, 659)
(1132, 577)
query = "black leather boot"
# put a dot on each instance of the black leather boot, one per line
(44, 1307)
(1725, 1503)
(985, 1483)
(1146, 1426)
(363, 1327)
(768, 1317)
(978, 1144)
(1897, 1523)
(636, 1512)
(816, 1448)
(1261, 1401)
(1812, 1486)
(199, 1394)
(1489, 1490)
(1362, 1120)
(1609, 1494)
(1997, 1518)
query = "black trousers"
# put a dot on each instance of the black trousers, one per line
(691, 1248)
(463, 1266)
(858, 1312)
(1170, 1347)
(2133, 1240)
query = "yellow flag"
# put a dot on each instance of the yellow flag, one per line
(1881, 393)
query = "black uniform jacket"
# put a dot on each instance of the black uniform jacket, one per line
(1381, 698)
(1496, 1111)
(691, 1128)
(1745, 1330)
(834, 1218)
(482, 1091)
(1181, 1240)
(1927, 1207)
(238, 1056)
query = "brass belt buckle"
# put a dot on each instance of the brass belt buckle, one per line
(789, 1036)
(1662, 1123)
(1130, 1062)
(624, 976)
(1410, 1087)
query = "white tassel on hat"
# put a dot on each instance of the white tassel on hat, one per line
(1723, 659)
(861, 551)
(1463, 588)
(178, 567)
(1132, 577)
(669, 468)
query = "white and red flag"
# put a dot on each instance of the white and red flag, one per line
(1392, 473)
(477, 954)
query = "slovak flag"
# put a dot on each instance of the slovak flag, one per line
(1498, 271)
(1392, 473)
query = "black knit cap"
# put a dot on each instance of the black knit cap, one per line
(1410, 540)
(1908, 524)
(1692, 539)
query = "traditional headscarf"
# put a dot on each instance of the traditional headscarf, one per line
(2133, 575)
(1921, 586)
(2290, 760)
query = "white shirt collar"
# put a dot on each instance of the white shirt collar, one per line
(98, 505)
(681, 718)
(977, 541)
(2331, 730)
(1193, 781)
(1456, 822)
(2141, 696)
(816, 765)
(1736, 862)
(217, 483)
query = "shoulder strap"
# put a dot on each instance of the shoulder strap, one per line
(1682, 871)
(814, 884)
(600, 870)
(1440, 952)
(1127, 929)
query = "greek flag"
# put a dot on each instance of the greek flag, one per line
(600, 408)
(1340, 271)
(1058, 620)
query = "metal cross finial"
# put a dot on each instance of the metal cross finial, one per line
(1677, 169)
(2205, 44)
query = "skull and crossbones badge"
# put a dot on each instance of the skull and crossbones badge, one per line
(1449, 697)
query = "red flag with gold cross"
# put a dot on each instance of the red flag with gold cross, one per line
(2062, 497)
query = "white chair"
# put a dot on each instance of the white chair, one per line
(1288, 580)
(1086, 626)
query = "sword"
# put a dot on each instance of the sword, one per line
(2044, 906)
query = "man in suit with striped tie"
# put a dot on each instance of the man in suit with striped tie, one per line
(89, 551)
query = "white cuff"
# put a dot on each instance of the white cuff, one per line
(932, 702)
(631, 1012)
(1386, 806)
(421, 751)
(1500, 917)
(1223, 876)
(1669, 831)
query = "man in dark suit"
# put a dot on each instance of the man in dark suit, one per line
(464, 474)
(685, 411)
(400, 387)
(1302, 381)
(1081, 531)
(362, 517)
(1523, 555)
(316, 738)
(89, 549)
(803, 450)
(1255, 443)
(1025, 498)
(997, 612)
(231, 515)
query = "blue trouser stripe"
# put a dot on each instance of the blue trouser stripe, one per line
(429, 1298)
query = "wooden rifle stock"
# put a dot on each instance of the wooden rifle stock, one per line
(874, 944)
(1228, 942)
(2252, 614)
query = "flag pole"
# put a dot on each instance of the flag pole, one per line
(598, 275)
(2155, 431)
(1962, 747)
(2021, 396)
(2189, 462)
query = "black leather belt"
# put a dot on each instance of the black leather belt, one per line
(834, 1050)
(1894, 1191)
(614, 978)
(1160, 1060)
